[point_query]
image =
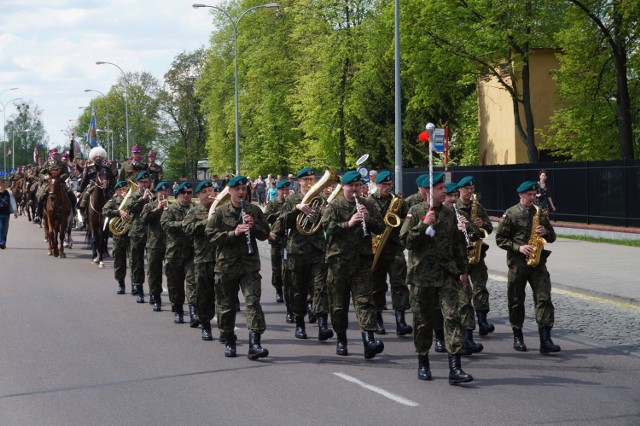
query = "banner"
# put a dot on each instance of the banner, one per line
(8, 152)
(92, 135)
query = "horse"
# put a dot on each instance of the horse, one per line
(17, 195)
(56, 215)
(96, 229)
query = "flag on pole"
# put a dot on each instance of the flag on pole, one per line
(8, 152)
(35, 153)
(92, 135)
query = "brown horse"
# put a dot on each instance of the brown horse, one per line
(56, 215)
(96, 230)
(17, 195)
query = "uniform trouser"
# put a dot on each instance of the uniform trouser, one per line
(227, 286)
(205, 291)
(351, 279)
(467, 313)
(479, 276)
(178, 272)
(120, 254)
(308, 270)
(155, 258)
(540, 282)
(276, 265)
(136, 259)
(393, 265)
(437, 307)
(286, 284)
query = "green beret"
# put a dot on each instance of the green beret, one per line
(307, 171)
(352, 176)
(466, 181)
(528, 186)
(120, 184)
(161, 186)
(237, 181)
(284, 183)
(438, 177)
(451, 187)
(183, 187)
(420, 181)
(204, 184)
(142, 175)
(384, 176)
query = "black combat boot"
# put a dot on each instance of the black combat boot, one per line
(279, 297)
(546, 344)
(518, 341)
(120, 287)
(424, 373)
(140, 294)
(179, 315)
(157, 303)
(193, 315)
(230, 344)
(311, 314)
(341, 346)
(222, 338)
(470, 346)
(456, 375)
(206, 331)
(402, 328)
(152, 298)
(372, 347)
(300, 333)
(289, 317)
(324, 332)
(255, 350)
(134, 289)
(484, 327)
(439, 346)
(380, 324)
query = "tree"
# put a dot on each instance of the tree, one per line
(25, 129)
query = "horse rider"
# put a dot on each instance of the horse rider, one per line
(53, 164)
(155, 170)
(98, 162)
(133, 166)
(16, 176)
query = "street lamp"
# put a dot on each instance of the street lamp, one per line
(4, 124)
(13, 147)
(6, 90)
(234, 24)
(126, 100)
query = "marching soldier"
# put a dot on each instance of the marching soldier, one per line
(276, 236)
(475, 212)
(347, 222)
(156, 242)
(391, 261)
(138, 233)
(306, 265)
(436, 271)
(121, 242)
(155, 170)
(179, 255)
(519, 234)
(234, 231)
(195, 223)
(133, 166)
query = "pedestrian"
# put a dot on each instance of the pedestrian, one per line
(543, 194)
(7, 207)
(272, 193)
(261, 190)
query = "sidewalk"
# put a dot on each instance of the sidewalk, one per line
(602, 270)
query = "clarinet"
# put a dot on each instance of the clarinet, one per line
(464, 231)
(248, 233)
(365, 232)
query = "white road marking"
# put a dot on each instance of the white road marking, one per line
(392, 396)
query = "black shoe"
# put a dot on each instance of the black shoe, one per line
(206, 331)
(157, 303)
(300, 333)
(279, 297)
(152, 299)
(140, 294)
(194, 322)
(134, 289)
(230, 345)
(380, 323)
(289, 318)
(324, 332)
(484, 327)
(255, 350)
(311, 314)
(470, 346)
(37, 220)
(439, 345)
(456, 375)
(341, 345)
(2, 246)
(120, 287)
(546, 344)
(518, 341)
(178, 318)
(424, 373)
(402, 328)
(372, 347)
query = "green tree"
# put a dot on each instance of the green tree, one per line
(24, 129)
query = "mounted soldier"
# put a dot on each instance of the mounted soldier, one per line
(97, 162)
(155, 170)
(133, 166)
(53, 164)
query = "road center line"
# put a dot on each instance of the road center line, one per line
(392, 396)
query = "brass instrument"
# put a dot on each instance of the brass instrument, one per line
(223, 197)
(535, 241)
(308, 224)
(475, 250)
(392, 220)
(117, 225)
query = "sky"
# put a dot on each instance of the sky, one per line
(49, 49)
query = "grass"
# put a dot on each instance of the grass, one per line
(629, 243)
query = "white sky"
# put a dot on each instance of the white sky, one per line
(49, 49)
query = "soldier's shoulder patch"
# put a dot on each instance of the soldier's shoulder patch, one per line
(408, 216)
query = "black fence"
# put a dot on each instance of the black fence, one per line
(598, 192)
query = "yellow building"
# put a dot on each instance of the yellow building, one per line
(499, 140)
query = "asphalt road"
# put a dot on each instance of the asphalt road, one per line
(75, 353)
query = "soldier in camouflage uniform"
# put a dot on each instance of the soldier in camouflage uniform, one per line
(276, 237)
(437, 270)
(195, 223)
(305, 262)
(156, 244)
(120, 243)
(155, 170)
(391, 261)
(232, 234)
(179, 255)
(349, 255)
(419, 196)
(478, 272)
(133, 166)
(513, 235)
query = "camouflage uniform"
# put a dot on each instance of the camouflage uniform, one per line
(130, 170)
(156, 174)
(49, 166)
(120, 243)
(272, 213)
(413, 200)
(138, 240)
(156, 246)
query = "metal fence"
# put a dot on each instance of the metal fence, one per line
(597, 192)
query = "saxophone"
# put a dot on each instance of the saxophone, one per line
(535, 241)
(475, 250)
(392, 220)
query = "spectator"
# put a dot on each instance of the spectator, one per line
(543, 196)
(272, 194)
(7, 206)
(261, 190)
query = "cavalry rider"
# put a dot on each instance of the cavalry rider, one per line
(155, 170)
(133, 166)
(98, 161)
(53, 164)
(16, 176)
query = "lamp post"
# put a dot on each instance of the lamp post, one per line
(234, 24)
(108, 127)
(13, 146)
(126, 100)
(4, 136)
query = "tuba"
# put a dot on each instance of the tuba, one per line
(308, 224)
(392, 220)
(117, 225)
(535, 240)
(223, 197)
(475, 249)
